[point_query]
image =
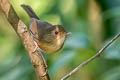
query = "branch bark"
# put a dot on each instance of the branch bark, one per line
(92, 58)
(26, 38)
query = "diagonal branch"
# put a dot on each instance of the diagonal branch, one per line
(92, 58)
(23, 33)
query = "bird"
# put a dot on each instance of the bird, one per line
(49, 38)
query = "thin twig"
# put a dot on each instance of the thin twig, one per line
(92, 58)
(23, 33)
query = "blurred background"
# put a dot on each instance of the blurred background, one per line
(92, 23)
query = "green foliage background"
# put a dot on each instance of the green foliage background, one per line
(86, 39)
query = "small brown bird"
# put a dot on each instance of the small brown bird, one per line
(50, 38)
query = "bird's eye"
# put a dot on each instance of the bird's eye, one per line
(56, 32)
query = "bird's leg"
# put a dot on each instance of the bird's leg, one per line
(40, 51)
(36, 46)
(44, 61)
(42, 54)
(43, 58)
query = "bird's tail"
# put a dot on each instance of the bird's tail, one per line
(29, 11)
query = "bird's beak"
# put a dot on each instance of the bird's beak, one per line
(68, 33)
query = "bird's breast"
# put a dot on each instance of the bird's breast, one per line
(52, 47)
